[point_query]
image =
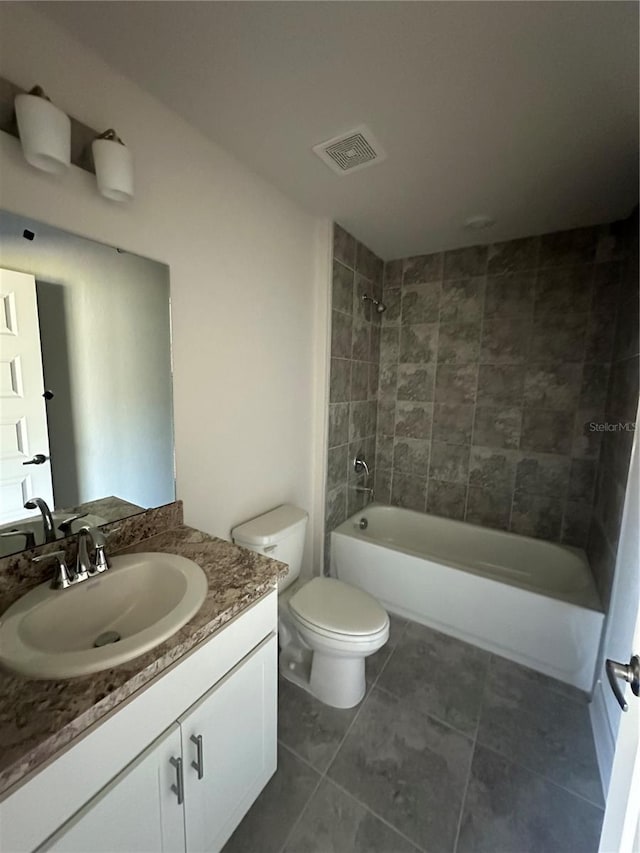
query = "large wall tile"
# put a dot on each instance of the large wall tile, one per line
(413, 420)
(500, 384)
(547, 431)
(338, 424)
(513, 255)
(408, 491)
(492, 469)
(456, 383)
(462, 300)
(411, 456)
(423, 269)
(340, 380)
(452, 423)
(565, 290)
(553, 386)
(505, 342)
(566, 248)
(415, 381)
(510, 295)
(449, 462)
(420, 304)
(536, 516)
(488, 508)
(342, 292)
(446, 499)
(344, 246)
(497, 427)
(418, 343)
(464, 262)
(543, 474)
(458, 343)
(559, 337)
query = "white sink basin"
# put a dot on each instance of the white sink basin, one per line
(143, 598)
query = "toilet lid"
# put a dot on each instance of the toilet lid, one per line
(338, 607)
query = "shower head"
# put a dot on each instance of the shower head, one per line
(379, 305)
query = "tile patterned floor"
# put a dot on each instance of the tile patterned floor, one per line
(453, 750)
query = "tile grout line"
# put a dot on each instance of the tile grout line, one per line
(519, 763)
(323, 775)
(539, 775)
(473, 755)
(376, 815)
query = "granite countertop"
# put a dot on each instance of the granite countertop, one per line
(40, 718)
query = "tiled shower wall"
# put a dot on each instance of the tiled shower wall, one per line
(493, 360)
(355, 354)
(620, 413)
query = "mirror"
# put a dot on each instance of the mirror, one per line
(86, 420)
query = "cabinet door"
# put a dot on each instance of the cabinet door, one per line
(229, 748)
(138, 812)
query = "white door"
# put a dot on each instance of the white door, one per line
(229, 749)
(23, 415)
(138, 812)
(621, 828)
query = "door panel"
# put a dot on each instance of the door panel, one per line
(136, 813)
(622, 640)
(236, 721)
(23, 416)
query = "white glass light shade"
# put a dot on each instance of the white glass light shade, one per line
(45, 133)
(114, 169)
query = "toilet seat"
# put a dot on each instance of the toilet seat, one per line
(338, 611)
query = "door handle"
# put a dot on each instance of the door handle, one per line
(178, 788)
(198, 764)
(38, 459)
(629, 672)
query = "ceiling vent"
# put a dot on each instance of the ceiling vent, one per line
(356, 149)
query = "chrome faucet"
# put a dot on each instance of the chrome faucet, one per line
(47, 518)
(84, 567)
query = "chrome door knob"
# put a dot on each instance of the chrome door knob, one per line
(38, 459)
(629, 672)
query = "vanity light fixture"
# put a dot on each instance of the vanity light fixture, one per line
(45, 131)
(114, 166)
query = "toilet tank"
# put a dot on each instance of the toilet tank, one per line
(279, 534)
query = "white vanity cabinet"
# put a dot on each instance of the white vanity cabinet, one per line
(138, 811)
(176, 769)
(229, 749)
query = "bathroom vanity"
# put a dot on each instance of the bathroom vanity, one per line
(165, 753)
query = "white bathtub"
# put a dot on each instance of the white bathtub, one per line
(525, 599)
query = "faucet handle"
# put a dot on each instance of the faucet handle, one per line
(360, 465)
(61, 579)
(29, 536)
(65, 526)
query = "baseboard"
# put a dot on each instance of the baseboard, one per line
(602, 735)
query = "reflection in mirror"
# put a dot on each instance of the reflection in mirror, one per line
(85, 383)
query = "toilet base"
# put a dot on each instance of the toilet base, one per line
(336, 681)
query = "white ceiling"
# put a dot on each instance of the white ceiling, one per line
(526, 111)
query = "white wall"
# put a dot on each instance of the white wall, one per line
(249, 272)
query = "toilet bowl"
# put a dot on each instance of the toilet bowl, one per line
(326, 627)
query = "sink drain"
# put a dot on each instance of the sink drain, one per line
(106, 638)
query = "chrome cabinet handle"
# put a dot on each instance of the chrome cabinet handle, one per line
(38, 459)
(178, 788)
(198, 764)
(629, 672)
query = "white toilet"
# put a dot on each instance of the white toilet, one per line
(326, 627)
